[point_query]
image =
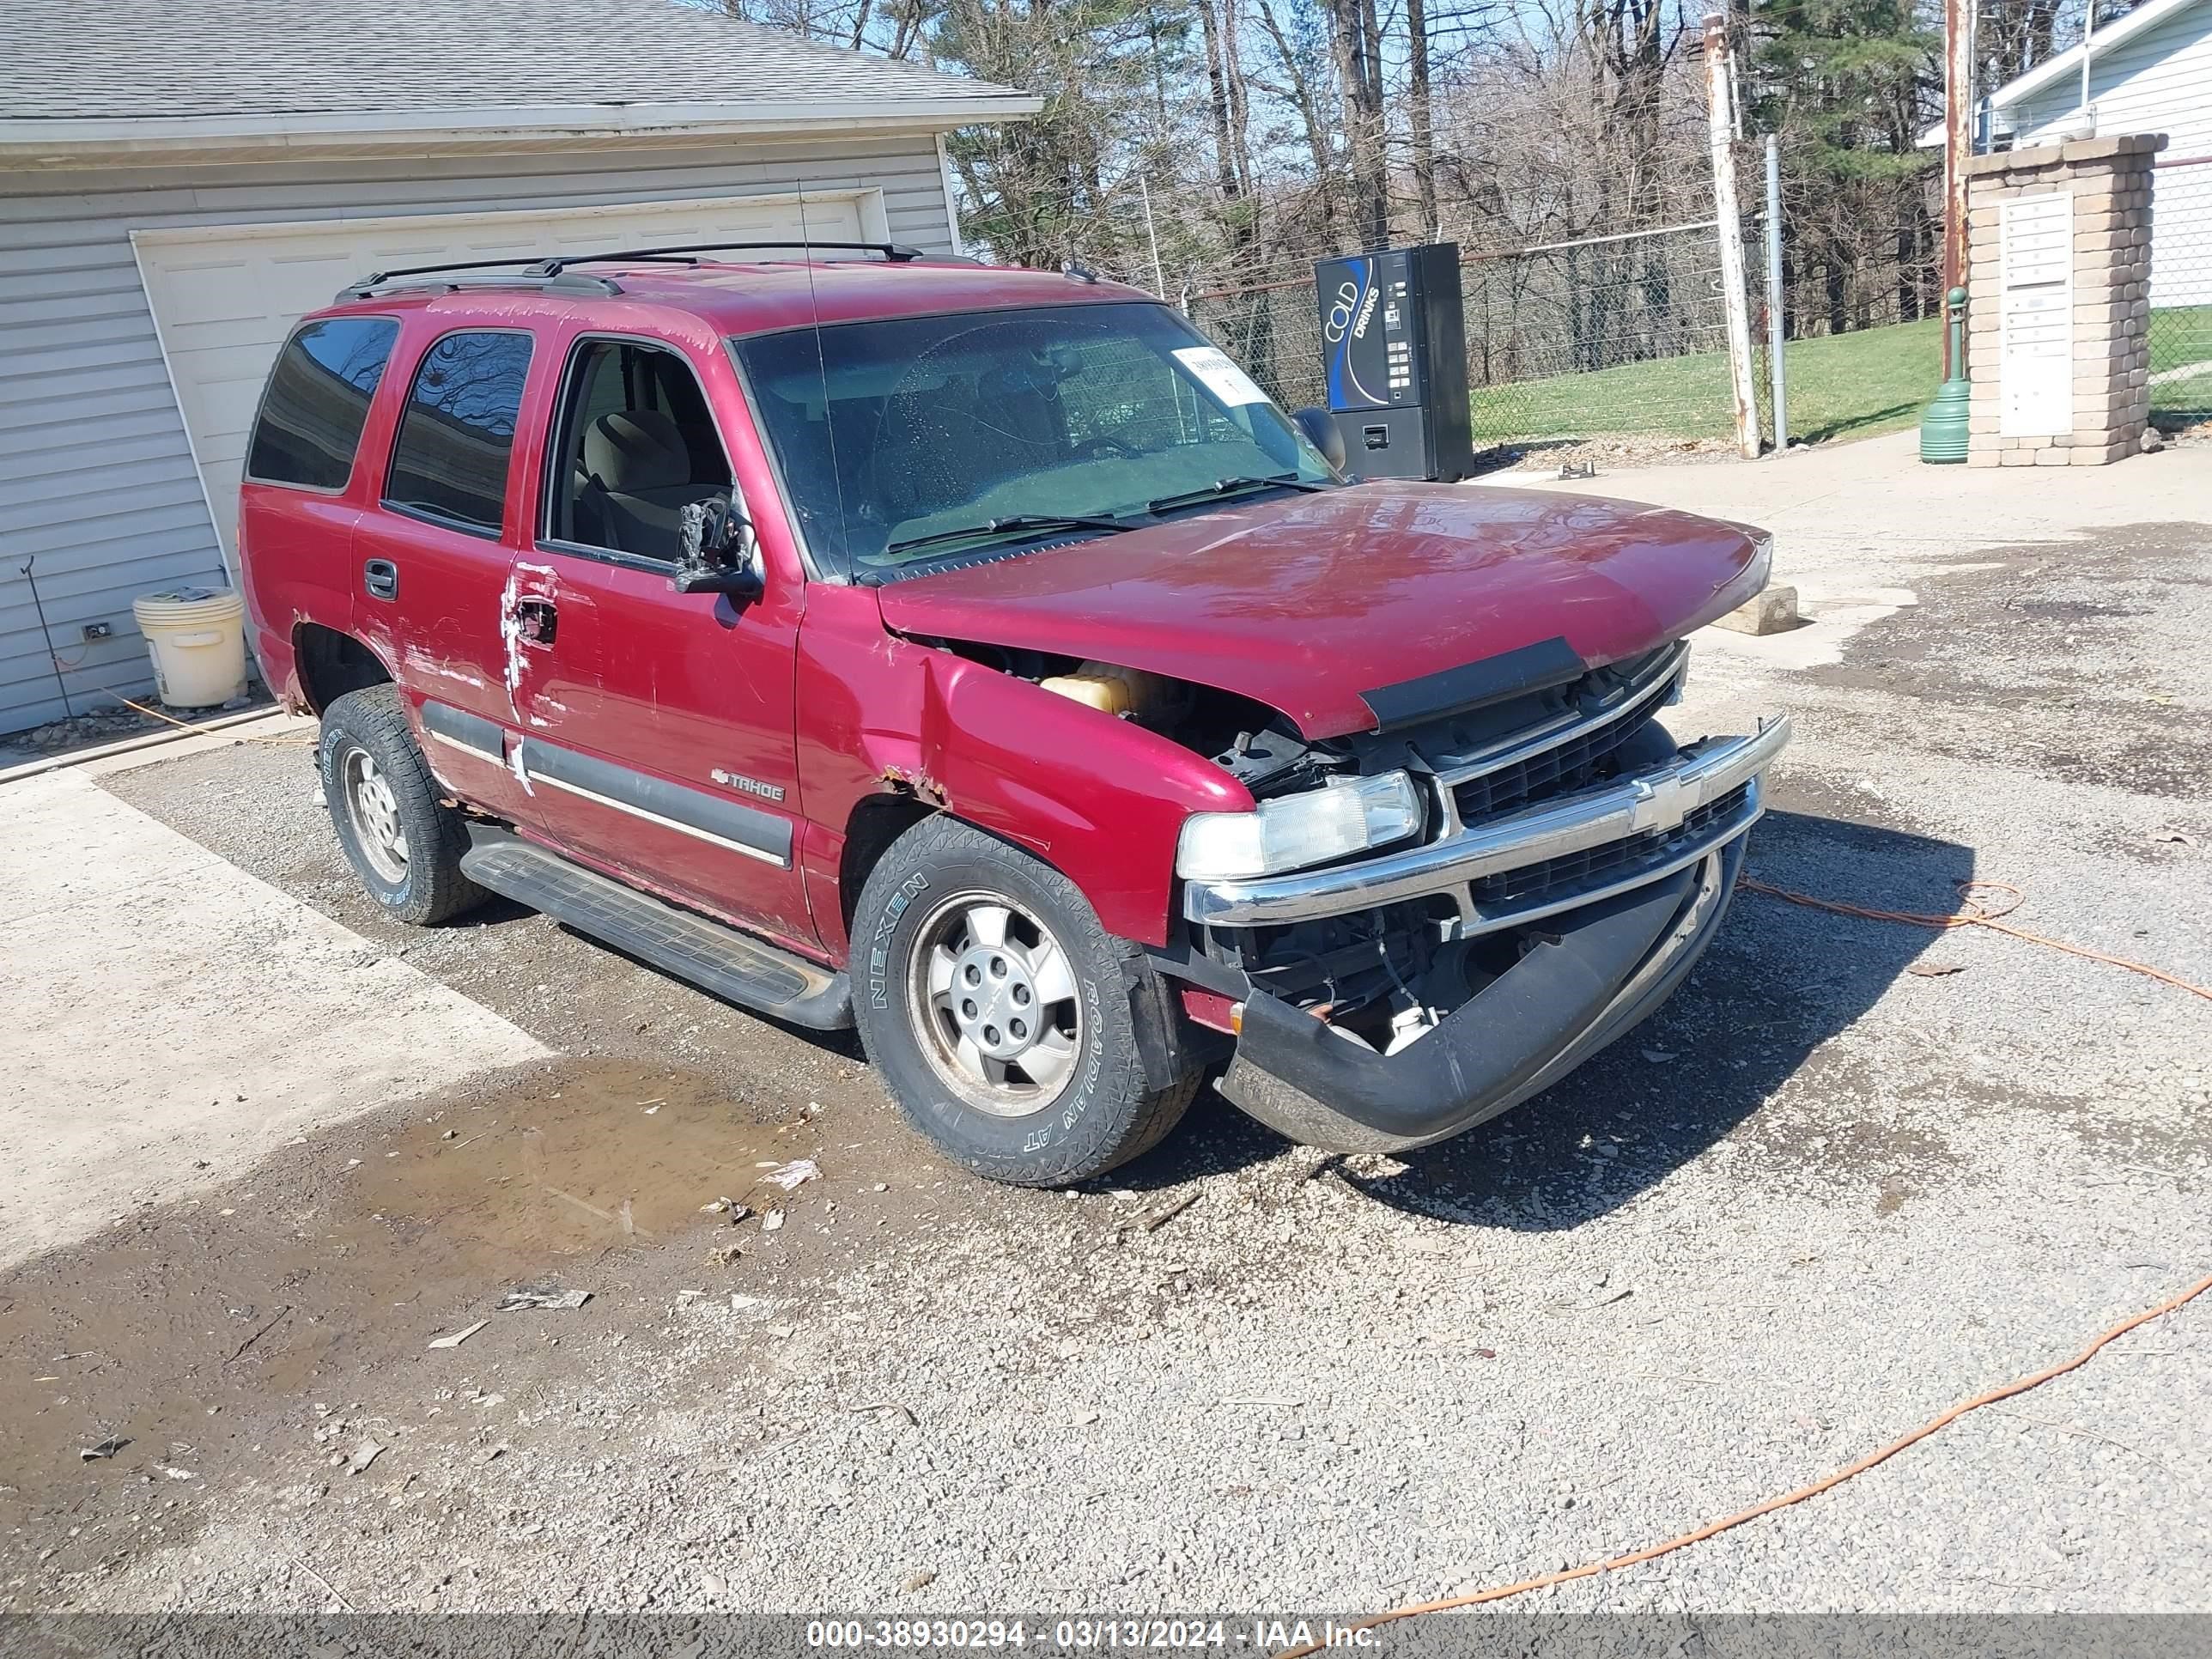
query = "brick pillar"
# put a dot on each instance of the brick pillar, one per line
(2058, 337)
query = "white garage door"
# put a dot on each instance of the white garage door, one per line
(225, 298)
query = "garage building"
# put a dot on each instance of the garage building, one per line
(180, 180)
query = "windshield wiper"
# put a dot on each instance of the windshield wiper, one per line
(1018, 524)
(1221, 486)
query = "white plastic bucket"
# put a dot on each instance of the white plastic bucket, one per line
(196, 638)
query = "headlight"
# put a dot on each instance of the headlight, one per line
(1295, 831)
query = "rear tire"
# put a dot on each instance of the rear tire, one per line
(997, 1009)
(403, 844)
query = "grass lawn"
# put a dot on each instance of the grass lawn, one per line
(1853, 385)
(1841, 385)
(2181, 337)
(2188, 400)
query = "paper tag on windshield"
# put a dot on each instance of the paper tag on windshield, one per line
(1220, 376)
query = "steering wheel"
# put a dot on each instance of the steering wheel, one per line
(1091, 451)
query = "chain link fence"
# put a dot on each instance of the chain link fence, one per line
(1621, 334)
(2181, 291)
(1615, 334)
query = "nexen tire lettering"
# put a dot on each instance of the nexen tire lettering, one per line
(1081, 1099)
(879, 954)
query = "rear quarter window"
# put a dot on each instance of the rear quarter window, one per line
(318, 399)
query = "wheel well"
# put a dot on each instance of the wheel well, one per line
(331, 663)
(877, 822)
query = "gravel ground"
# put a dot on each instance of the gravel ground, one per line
(1816, 1201)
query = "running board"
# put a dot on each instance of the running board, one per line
(733, 966)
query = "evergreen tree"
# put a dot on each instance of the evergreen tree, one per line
(1849, 85)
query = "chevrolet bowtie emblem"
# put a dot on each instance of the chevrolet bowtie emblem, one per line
(1661, 804)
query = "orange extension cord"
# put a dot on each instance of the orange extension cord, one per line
(1590, 1570)
(1975, 914)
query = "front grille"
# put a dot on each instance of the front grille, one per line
(1572, 872)
(1348, 961)
(1572, 765)
(1593, 719)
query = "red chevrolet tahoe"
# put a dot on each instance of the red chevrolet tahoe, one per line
(979, 656)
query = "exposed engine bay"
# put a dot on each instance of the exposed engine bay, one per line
(1386, 977)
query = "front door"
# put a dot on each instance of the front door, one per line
(658, 725)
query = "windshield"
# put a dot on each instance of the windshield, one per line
(909, 443)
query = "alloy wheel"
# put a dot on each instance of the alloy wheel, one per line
(373, 811)
(993, 997)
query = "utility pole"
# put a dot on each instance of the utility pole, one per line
(1159, 282)
(1958, 145)
(2088, 46)
(1720, 105)
(1775, 310)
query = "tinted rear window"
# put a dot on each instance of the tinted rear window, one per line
(318, 397)
(457, 434)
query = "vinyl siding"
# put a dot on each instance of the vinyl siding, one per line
(97, 484)
(2160, 80)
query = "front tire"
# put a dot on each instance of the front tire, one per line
(997, 1009)
(403, 844)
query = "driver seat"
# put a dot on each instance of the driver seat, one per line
(637, 482)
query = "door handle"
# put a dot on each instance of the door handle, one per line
(381, 577)
(535, 620)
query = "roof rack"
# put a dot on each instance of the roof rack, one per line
(895, 253)
(524, 273)
(552, 271)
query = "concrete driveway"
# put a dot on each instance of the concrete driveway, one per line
(174, 1019)
(1823, 1195)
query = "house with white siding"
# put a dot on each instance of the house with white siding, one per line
(181, 179)
(2148, 70)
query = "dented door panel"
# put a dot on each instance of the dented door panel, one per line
(440, 639)
(433, 616)
(679, 707)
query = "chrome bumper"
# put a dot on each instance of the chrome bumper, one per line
(1654, 801)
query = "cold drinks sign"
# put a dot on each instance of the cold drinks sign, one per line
(1371, 358)
(1394, 356)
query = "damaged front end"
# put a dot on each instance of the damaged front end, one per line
(1559, 868)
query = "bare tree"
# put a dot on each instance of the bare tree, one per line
(1421, 116)
(1356, 46)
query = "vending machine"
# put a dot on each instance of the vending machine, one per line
(1394, 349)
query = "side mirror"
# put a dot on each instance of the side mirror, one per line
(1319, 429)
(716, 552)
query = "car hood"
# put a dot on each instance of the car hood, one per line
(1308, 603)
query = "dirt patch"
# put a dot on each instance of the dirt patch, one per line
(1843, 806)
(110, 721)
(1848, 1126)
(255, 805)
(2114, 1131)
(1545, 456)
(199, 1341)
(2056, 641)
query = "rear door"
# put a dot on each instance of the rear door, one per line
(659, 725)
(433, 559)
(300, 503)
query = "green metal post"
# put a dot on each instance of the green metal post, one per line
(1944, 424)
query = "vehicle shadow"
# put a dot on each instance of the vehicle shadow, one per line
(1780, 981)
